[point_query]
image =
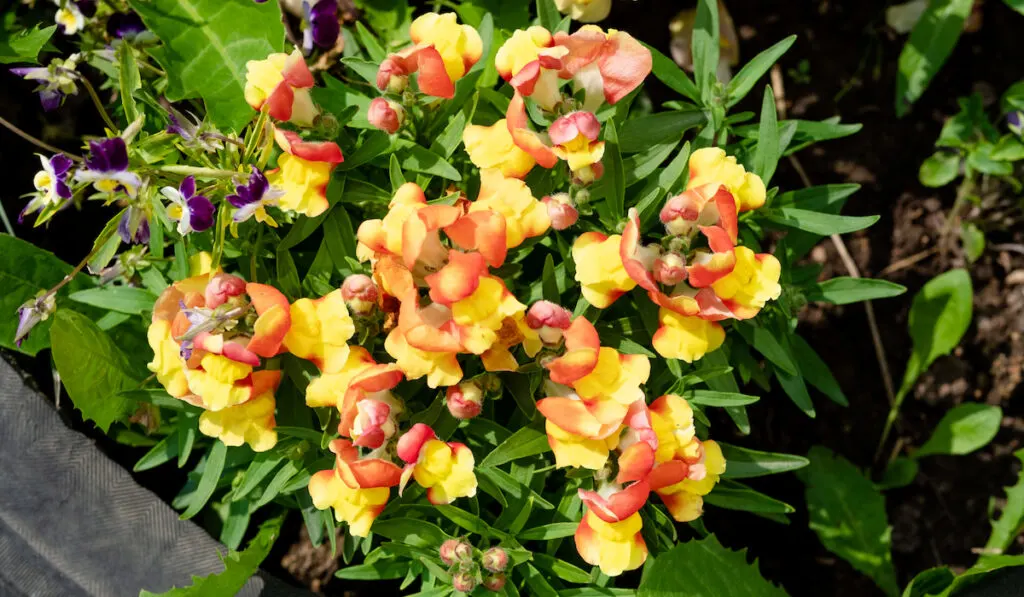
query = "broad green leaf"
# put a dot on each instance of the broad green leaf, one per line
(752, 71)
(736, 496)
(410, 531)
(129, 80)
(25, 270)
(1010, 523)
(92, 368)
(721, 399)
(206, 44)
(375, 143)
(548, 14)
(939, 316)
(843, 290)
(1009, 148)
(704, 568)
(963, 429)
(848, 514)
(668, 72)
(931, 42)
(768, 345)
(704, 47)
(980, 158)
(815, 371)
(549, 531)
(560, 568)
(1017, 5)
(366, 69)
(521, 444)
(929, 582)
(335, 96)
(23, 45)
(766, 157)
(644, 132)
(239, 567)
(416, 158)
(123, 299)
(208, 481)
(744, 463)
(817, 222)
(939, 169)
(378, 570)
(615, 192)
(901, 472)
(992, 576)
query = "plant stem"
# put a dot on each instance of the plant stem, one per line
(102, 240)
(96, 102)
(36, 142)
(7, 223)
(197, 171)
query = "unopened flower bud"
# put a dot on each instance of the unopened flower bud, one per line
(588, 174)
(465, 400)
(360, 294)
(33, 312)
(386, 115)
(561, 211)
(464, 581)
(495, 559)
(1015, 122)
(670, 269)
(450, 551)
(582, 197)
(678, 215)
(391, 77)
(550, 320)
(494, 582)
(222, 287)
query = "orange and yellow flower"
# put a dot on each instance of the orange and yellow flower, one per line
(615, 547)
(524, 215)
(281, 83)
(530, 62)
(752, 282)
(443, 53)
(320, 331)
(711, 165)
(441, 368)
(607, 66)
(599, 268)
(356, 488)
(585, 11)
(686, 337)
(251, 422)
(575, 140)
(444, 469)
(493, 147)
(303, 171)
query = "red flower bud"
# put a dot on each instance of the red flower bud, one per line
(561, 211)
(465, 400)
(550, 320)
(391, 76)
(386, 115)
(670, 269)
(495, 559)
(222, 287)
(455, 550)
(494, 582)
(360, 294)
(464, 581)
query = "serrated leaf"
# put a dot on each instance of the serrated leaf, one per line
(843, 290)
(931, 42)
(963, 429)
(93, 369)
(23, 45)
(744, 463)
(848, 514)
(206, 44)
(704, 568)
(1011, 521)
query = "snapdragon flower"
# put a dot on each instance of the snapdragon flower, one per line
(56, 81)
(107, 168)
(51, 185)
(252, 199)
(193, 212)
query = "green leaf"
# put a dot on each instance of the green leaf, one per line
(816, 371)
(1010, 148)
(843, 290)
(468, 521)
(901, 472)
(704, 47)
(129, 80)
(561, 569)
(548, 14)
(744, 463)
(744, 81)
(366, 69)
(287, 275)
(973, 240)
(615, 192)
(980, 158)
(1010, 523)
(23, 45)
(208, 481)
(736, 496)
(523, 443)
(555, 530)
(929, 582)
(988, 578)
(817, 222)
(123, 299)
(848, 514)
(816, 198)
(206, 44)
(379, 570)
(721, 399)
(370, 43)
(766, 157)
(940, 169)
(239, 567)
(668, 72)
(165, 450)
(931, 41)
(639, 134)
(417, 158)
(92, 368)
(704, 568)
(963, 429)
(768, 345)
(375, 143)
(1017, 5)
(411, 531)
(939, 316)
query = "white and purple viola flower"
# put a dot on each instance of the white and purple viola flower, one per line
(127, 26)
(134, 226)
(189, 128)
(33, 312)
(194, 213)
(107, 168)
(322, 26)
(252, 198)
(51, 184)
(56, 81)
(71, 14)
(1015, 122)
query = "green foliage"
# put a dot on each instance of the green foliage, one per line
(93, 369)
(843, 290)
(963, 429)
(931, 42)
(1010, 523)
(704, 568)
(940, 169)
(206, 44)
(743, 463)
(23, 45)
(848, 514)
(239, 567)
(123, 299)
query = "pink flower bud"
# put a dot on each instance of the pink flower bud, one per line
(464, 581)
(386, 115)
(679, 215)
(494, 582)
(670, 269)
(495, 559)
(465, 400)
(561, 211)
(221, 288)
(455, 550)
(550, 320)
(360, 294)
(392, 77)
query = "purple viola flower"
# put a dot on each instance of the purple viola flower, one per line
(192, 212)
(252, 198)
(125, 25)
(55, 81)
(322, 27)
(188, 127)
(1015, 122)
(51, 185)
(134, 226)
(31, 313)
(107, 168)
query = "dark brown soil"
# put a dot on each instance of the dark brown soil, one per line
(843, 62)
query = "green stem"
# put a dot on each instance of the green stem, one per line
(37, 142)
(197, 171)
(99, 104)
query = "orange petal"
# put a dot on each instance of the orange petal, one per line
(369, 473)
(629, 247)
(527, 140)
(575, 417)
(482, 231)
(322, 151)
(635, 463)
(624, 64)
(457, 280)
(422, 228)
(296, 73)
(279, 103)
(667, 474)
(620, 505)
(411, 442)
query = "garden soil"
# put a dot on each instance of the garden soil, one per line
(843, 63)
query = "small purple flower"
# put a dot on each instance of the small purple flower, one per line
(134, 226)
(188, 128)
(251, 199)
(322, 27)
(51, 185)
(1015, 122)
(125, 25)
(107, 167)
(193, 212)
(55, 81)
(31, 313)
